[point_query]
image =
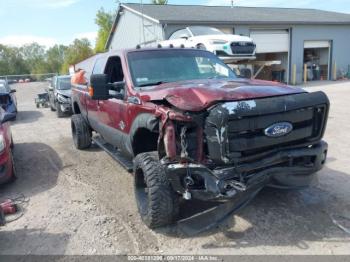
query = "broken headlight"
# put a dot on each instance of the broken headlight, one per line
(63, 99)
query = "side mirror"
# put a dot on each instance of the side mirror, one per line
(99, 89)
(8, 117)
(13, 91)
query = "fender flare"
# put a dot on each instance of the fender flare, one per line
(146, 121)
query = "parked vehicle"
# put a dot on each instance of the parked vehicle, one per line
(213, 40)
(7, 170)
(60, 95)
(189, 128)
(8, 98)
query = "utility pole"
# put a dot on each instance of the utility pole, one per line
(232, 3)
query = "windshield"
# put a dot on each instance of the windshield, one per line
(2, 89)
(203, 30)
(64, 84)
(162, 66)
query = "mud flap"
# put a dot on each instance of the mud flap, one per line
(214, 216)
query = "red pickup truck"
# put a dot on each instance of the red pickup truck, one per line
(189, 128)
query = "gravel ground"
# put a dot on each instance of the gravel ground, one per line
(82, 202)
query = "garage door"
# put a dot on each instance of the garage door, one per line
(271, 41)
(316, 44)
(226, 30)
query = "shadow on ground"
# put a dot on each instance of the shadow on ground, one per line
(276, 218)
(26, 117)
(37, 168)
(31, 242)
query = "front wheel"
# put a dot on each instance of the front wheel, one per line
(81, 132)
(59, 110)
(156, 200)
(201, 47)
(52, 108)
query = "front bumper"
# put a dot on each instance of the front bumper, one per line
(288, 168)
(65, 107)
(226, 50)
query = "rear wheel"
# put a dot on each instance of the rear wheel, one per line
(156, 200)
(81, 132)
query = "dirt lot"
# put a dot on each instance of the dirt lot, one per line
(83, 203)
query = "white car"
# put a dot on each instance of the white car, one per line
(213, 40)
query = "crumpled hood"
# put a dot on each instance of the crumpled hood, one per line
(198, 95)
(67, 93)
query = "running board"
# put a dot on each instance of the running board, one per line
(114, 153)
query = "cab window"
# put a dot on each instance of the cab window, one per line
(114, 71)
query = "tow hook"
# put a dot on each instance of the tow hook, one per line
(235, 185)
(188, 182)
(187, 195)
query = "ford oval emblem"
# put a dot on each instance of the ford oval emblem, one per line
(278, 129)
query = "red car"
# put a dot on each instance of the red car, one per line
(7, 171)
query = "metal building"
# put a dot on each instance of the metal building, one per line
(310, 39)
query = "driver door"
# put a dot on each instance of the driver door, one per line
(112, 112)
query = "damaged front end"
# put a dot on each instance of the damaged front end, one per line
(228, 150)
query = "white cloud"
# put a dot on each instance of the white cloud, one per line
(19, 40)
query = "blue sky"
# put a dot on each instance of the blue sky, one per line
(60, 21)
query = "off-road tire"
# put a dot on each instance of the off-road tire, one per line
(81, 132)
(156, 200)
(59, 111)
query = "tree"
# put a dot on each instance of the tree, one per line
(12, 61)
(76, 52)
(34, 56)
(159, 2)
(104, 20)
(55, 57)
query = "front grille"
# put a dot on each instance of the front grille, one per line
(239, 48)
(235, 130)
(247, 135)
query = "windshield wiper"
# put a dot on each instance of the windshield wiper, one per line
(153, 84)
